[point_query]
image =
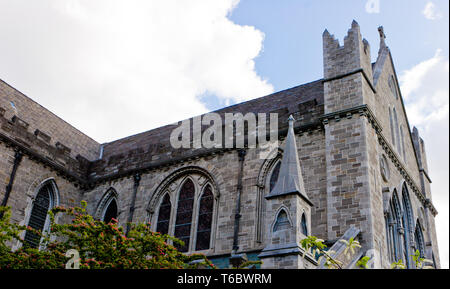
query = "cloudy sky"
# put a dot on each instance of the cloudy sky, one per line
(114, 68)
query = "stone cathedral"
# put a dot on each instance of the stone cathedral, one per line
(348, 166)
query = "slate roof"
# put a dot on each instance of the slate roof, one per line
(151, 148)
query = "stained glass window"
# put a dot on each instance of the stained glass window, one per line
(205, 219)
(38, 216)
(184, 214)
(111, 212)
(164, 215)
(274, 176)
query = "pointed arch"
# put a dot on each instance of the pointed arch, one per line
(282, 221)
(194, 195)
(165, 208)
(393, 86)
(407, 209)
(184, 214)
(391, 123)
(393, 227)
(402, 142)
(397, 132)
(205, 218)
(111, 211)
(46, 198)
(304, 225)
(108, 200)
(263, 184)
(274, 176)
(419, 239)
(407, 221)
(177, 174)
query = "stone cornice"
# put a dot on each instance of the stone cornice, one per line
(364, 110)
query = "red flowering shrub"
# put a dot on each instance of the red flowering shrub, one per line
(100, 245)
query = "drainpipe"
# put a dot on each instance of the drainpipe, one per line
(237, 259)
(17, 159)
(137, 179)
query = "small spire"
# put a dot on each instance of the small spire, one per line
(382, 37)
(290, 180)
(355, 24)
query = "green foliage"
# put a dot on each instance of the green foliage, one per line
(421, 263)
(362, 263)
(248, 264)
(398, 265)
(315, 246)
(100, 245)
(351, 246)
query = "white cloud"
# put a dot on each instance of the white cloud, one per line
(373, 6)
(425, 88)
(430, 11)
(113, 68)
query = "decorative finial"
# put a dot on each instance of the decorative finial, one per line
(382, 36)
(291, 120)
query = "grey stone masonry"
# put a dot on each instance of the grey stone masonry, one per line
(350, 165)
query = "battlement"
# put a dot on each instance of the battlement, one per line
(48, 127)
(36, 145)
(354, 54)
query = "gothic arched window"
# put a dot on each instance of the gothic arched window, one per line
(282, 222)
(402, 143)
(393, 86)
(186, 210)
(184, 214)
(391, 123)
(43, 202)
(407, 219)
(274, 176)
(205, 219)
(304, 225)
(164, 215)
(397, 132)
(419, 240)
(111, 211)
(394, 229)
